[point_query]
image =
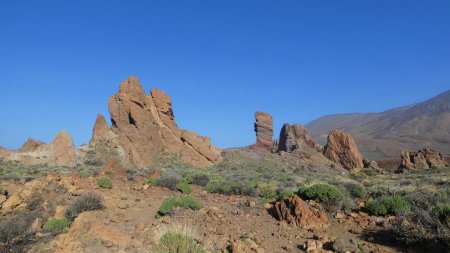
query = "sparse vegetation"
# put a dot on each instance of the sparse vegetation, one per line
(57, 225)
(184, 187)
(170, 203)
(169, 181)
(152, 181)
(104, 182)
(389, 205)
(86, 202)
(176, 238)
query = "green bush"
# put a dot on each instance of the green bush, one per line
(104, 182)
(375, 208)
(57, 225)
(320, 192)
(200, 179)
(443, 211)
(177, 242)
(356, 190)
(152, 181)
(285, 194)
(214, 186)
(396, 205)
(172, 202)
(184, 187)
(267, 190)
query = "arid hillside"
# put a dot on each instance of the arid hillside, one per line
(383, 135)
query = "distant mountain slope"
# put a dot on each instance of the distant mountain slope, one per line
(383, 135)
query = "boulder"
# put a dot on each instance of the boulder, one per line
(297, 212)
(422, 159)
(63, 150)
(264, 131)
(341, 148)
(344, 245)
(145, 125)
(31, 145)
(296, 137)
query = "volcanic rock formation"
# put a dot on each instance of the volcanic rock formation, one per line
(422, 159)
(100, 128)
(146, 124)
(297, 212)
(63, 150)
(342, 149)
(31, 145)
(296, 137)
(264, 131)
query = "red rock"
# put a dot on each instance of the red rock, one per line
(63, 150)
(341, 148)
(296, 137)
(295, 211)
(31, 145)
(264, 131)
(100, 128)
(422, 159)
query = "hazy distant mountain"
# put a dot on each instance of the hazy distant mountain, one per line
(383, 135)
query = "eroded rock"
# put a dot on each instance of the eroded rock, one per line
(296, 137)
(264, 131)
(422, 159)
(297, 212)
(341, 148)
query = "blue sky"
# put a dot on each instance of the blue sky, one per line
(220, 60)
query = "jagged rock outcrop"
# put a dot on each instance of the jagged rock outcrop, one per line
(100, 128)
(297, 212)
(146, 124)
(31, 145)
(342, 149)
(296, 137)
(422, 159)
(63, 150)
(264, 131)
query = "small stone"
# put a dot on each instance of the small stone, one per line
(123, 205)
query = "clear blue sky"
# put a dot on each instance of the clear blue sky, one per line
(220, 60)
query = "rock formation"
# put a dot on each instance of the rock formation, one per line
(31, 145)
(297, 212)
(342, 149)
(264, 131)
(296, 137)
(146, 124)
(422, 159)
(63, 150)
(100, 128)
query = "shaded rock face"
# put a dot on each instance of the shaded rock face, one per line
(146, 124)
(264, 131)
(297, 212)
(63, 150)
(100, 128)
(422, 159)
(296, 137)
(31, 145)
(342, 149)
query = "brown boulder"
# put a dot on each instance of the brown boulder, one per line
(63, 150)
(297, 212)
(422, 159)
(146, 124)
(264, 131)
(31, 145)
(341, 148)
(296, 137)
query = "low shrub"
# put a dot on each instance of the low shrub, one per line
(152, 181)
(169, 181)
(184, 187)
(200, 179)
(356, 190)
(104, 182)
(396, 205)
(176, 238)
(267, 190)
(184, 201)
(443, 211)
(86, 202)
(285, 194)
(12, 227)
(57, 225)
(332, 197)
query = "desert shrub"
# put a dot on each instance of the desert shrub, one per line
(16, 226)
(200, 179)
(443, 211)
(152, 181)
(267, 190)
(184, 187)
(378, 191)
(375, 208)
(57, 225)
(214, 186)
(104, 182)
(396, 205)
(285, 194)
(185, 202)
(169, 181)
(176, 238)
(332, 197)
(86, 202)
(421, 226)
(34, 201)
(93, 163)
(356, 190)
